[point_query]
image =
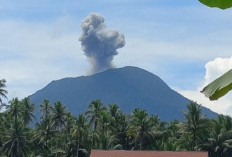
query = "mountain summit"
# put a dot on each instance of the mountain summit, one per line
(129, 87)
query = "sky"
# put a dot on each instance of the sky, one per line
(185, 43)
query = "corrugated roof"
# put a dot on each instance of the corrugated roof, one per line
(123, 153)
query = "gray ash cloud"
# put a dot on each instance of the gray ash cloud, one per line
(99, 43)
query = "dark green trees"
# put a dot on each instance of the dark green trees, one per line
(58, 116)
(141, 129)
(15, 137)
(27, 111)
(94, 112)
(16, 144)
(220, 142)
(194, 128)
(3, 92)
(59, 133)
(81, 134)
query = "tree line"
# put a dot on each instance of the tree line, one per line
(58, 133)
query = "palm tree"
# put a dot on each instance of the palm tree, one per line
(94, 112)
(58, 117)
(15, 108)
(173, 136)
(104, 121)
(114, 110)
(3, 92)
(45, 109)
(160, 133)
(106, 137)
(121, 138)
(58, 120)
(220, 142)
(27, 111)
(42, 136)
(194, 128)
(140, 128)
(2, 128)
(69, 122)
(66, 144)
(80, 132)
(107, 141)
(16, 141)
(114, 113)
(44, 129)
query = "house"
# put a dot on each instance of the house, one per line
(123, 153)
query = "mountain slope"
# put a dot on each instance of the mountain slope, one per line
(129, 87)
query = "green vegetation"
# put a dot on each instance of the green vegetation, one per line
(3, 92)
(59, 133)
(222, 4)
(219, 87)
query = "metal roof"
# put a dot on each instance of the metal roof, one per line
(123, 153)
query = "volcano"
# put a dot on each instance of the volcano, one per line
(129, 87)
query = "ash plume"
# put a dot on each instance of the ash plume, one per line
(99, 43)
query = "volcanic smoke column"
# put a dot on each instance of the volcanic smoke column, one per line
(99, 43)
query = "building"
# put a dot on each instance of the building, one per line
(123, 153)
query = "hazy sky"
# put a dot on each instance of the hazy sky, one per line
(183, 42)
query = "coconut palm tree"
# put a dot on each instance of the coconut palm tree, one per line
(220, 142)
(80, 132)
(114, 110)
(16, 141)
(140, 128)
(58, 117)
(2, 128)
(114, 113)
(42, 136)
(69, 124)
(160, 133)
(27, 111)
(3, 92)
(173, 136)
(44, 130)
(106, 136)
(194, 128)
(46, 109)
(121, 133)
(58, 122)
(15, 108)
(94, 112)
(104, 121)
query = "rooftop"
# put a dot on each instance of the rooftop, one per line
(123, 153)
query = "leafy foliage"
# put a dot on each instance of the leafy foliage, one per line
(3, 92)
(59, 133)
(219, 87)
(195, 127)
(219, 143)
(222, 4)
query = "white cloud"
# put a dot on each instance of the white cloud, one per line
(222, 106)
(214, 69)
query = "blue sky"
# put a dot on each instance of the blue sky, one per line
(180, 41)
